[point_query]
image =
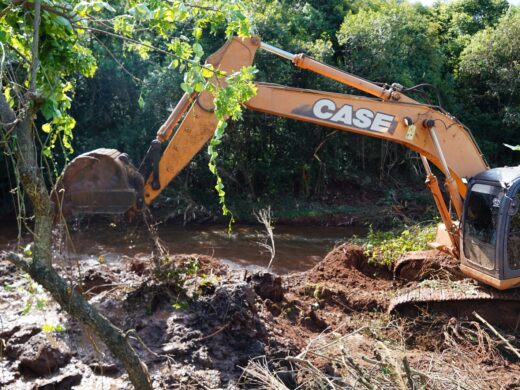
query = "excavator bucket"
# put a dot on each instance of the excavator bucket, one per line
(102, 181)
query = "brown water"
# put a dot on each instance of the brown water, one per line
(297, 247)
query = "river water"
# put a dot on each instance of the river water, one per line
(297, 247)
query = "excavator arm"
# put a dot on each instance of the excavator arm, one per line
(104, 178)
(92, 181)
(434, 134)
(389, 120)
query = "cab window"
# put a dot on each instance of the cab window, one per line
(480, 226)
(513, 236)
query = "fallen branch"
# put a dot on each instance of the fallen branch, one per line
(507, 343)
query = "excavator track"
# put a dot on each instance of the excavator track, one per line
(459, 298)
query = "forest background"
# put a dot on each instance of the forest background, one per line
(468, 49)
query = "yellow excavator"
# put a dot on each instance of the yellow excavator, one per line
(481, 221)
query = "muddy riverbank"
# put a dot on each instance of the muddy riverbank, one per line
(197, 323)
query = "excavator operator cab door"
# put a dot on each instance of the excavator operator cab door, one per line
(490, 239)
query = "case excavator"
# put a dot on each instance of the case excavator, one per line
(480, 214)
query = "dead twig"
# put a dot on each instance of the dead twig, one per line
(506, 342)
(313, 369)
(264, 216)
(258, 373)
(214, 333)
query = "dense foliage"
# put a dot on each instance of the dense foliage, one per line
(469, 49)
(48, 45)
(386, 247)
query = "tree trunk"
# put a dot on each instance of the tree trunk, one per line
(40, 268)
(35, 188)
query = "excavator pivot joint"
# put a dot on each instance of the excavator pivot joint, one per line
(428, 123)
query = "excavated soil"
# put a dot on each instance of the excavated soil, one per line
(196, 323)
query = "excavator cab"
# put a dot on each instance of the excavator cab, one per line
(490, 240)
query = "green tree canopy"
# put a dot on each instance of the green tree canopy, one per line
(489, 72)
(459, 20)
(392, 42)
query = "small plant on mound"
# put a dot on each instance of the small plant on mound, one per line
(385, 247)
(176, 275)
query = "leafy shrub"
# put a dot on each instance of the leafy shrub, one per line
(177, 275)
(386, 247)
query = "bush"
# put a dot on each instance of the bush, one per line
(386, 247)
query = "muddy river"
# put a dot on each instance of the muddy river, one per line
(297, 247)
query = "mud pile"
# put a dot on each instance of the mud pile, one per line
(197, 323)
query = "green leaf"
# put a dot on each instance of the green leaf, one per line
(26, 309)
(47, 128)
(186, 88)
(207, 71)
(47, 152)
(197, 33)
(27, 251)
(197, 49)
(107, 6)
(48, 328)
(63, 21)
(198, 87)
(40, 303)
(8, 97)
(140, 9)
(180, 305)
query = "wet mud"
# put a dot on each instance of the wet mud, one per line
(196, 323)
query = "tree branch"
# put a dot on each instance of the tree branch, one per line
(35, 61)
(151, 47)
(5, 10)
(135, 78)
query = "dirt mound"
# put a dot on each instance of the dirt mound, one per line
(344, 280)
(196, 322)
(338, 265)
(321, 299)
